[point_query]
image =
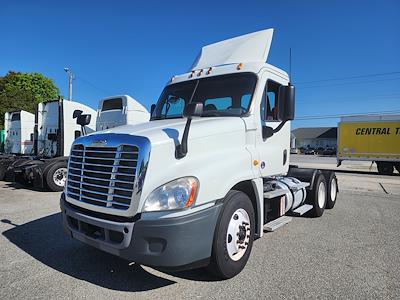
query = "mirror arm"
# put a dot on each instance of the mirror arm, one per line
(279, 126)
(181, 149)
(83, 130)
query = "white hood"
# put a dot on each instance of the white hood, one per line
(165, 131)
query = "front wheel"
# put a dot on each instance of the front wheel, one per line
(234, 235)
(56, 177)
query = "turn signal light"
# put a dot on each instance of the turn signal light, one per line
(240, 66)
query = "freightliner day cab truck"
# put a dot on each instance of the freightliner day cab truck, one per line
(18, 137)
(374, 138)
(206, 176)
(55, 129)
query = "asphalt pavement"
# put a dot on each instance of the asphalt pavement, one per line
(351, 252)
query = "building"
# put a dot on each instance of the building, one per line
(315, 137)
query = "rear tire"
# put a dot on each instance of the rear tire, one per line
(56, 177)
(332, 189)
(233, 237)
(317, 196)
(385, 168)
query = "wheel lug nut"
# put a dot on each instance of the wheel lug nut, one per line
(235, 217)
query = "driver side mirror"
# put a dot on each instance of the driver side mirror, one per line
(194, 109)
(83, 120)
(77, 113)
(286, 103)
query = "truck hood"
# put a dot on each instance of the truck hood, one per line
(165, 131)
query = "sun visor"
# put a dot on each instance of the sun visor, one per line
(252, 47)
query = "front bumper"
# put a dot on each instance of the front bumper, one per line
(179, 242)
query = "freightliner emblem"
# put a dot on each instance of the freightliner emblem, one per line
(99, 143)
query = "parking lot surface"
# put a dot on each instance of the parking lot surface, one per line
(352, 251)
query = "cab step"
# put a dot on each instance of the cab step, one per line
(275, 224)
(301, 210)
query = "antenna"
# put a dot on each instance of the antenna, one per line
(290, 65)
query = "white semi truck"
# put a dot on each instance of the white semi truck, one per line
(55, 129)
(58, 127)
(18, 137)
(120, 110)
(18, 127)
(206, 176)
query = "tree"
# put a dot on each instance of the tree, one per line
(22, 91)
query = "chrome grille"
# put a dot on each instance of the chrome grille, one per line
(102, 176)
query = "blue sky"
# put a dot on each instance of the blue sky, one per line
(132, 47)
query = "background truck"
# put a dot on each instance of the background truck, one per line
(206, 176)
(120, 110)
(53, 142)
(18, 137)
(54, 131)
(371, 138)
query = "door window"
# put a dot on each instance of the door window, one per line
(269, 102)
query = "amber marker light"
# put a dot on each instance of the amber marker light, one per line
(255, 162)
(192, 194)
(240, 66)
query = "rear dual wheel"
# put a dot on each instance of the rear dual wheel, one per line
(323, 193)
(332, 189)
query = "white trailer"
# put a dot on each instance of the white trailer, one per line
(206, 176)
(120, 110)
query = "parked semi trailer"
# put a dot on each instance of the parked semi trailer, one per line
(18, 138)
(374, 138)
(206, 176)
(55, 129)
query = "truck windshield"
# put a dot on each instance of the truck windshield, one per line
(225, 95)
(112, 104)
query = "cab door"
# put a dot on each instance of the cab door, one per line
(273, 151)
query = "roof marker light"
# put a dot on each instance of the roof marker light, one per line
(209, 71)
(172, 78)
(191, 74)
(240, 66)
(200, 72)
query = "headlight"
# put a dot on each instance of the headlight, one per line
(179, 193)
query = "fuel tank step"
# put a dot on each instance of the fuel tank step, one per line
(275, 224)
(301, 210)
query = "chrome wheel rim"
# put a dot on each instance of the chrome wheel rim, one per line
(333, 189)
(321, 195)
(238, 234)
(60, 176)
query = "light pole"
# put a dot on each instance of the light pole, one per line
(70, 78)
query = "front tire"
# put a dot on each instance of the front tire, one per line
(233, 237)
(56, 177)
